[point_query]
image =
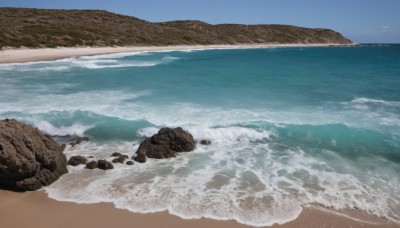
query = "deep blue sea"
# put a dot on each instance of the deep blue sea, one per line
(290, 128)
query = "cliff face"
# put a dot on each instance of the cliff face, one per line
(52, 28)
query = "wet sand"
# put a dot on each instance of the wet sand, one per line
(43, 54)
(35, 209)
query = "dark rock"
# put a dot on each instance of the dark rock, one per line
(124, 156)
(116, 154)
(140, 156)
(120, 159)
(104, 165)
(165, 144)
(77, 160)
(91, 165)
(129, 163)
(79, 140)
(205, 142)
(178, 139)
(29, 159)
(91, 156)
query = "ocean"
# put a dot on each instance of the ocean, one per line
(289, 128)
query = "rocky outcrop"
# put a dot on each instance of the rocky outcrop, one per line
(77, 160)
(29, 159)
(165, 144)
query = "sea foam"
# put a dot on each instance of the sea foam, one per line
(75, 129)
(250, 183)
(363, 100)
(282, 137)
(119, 60)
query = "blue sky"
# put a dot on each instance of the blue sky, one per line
(360, 20)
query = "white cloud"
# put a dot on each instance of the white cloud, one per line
(387, 28)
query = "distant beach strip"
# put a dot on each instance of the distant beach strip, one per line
(43, 54)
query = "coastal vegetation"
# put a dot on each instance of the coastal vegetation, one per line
(40, 28)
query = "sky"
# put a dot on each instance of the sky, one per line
(363, 21)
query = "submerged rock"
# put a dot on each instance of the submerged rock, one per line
(29, 159)
(116, 154)
(165, 144)
(104, 165)
(91, 165)
(124, 157)
(129, 163)
(205, 142)
(77, 160)
(120, 159)
(79, 140)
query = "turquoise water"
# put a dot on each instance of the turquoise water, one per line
(290, 127)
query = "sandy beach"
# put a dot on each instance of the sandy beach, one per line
(43, 54)
(35, 209)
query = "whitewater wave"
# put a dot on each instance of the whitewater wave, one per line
(218, 135)
(100, 64)
(229, 134)
(250, 174)
(254, 184)
(128, 106)
(111, 101)
(116, 55)
(76, 129)
(363, 100)
(119, 60)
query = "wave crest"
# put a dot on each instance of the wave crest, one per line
(364, 100)
(75, 129)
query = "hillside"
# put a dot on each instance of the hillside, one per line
(51, 28)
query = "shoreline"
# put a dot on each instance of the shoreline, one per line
(38, 210)
(48, 54)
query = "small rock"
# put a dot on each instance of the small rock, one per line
(205, 142)
(129, 163)
(116, 154)
(104, 165)
(91, 165)
(120, 159)
(91, 156)
(124, 156)
(77, 160)
(140, 157)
